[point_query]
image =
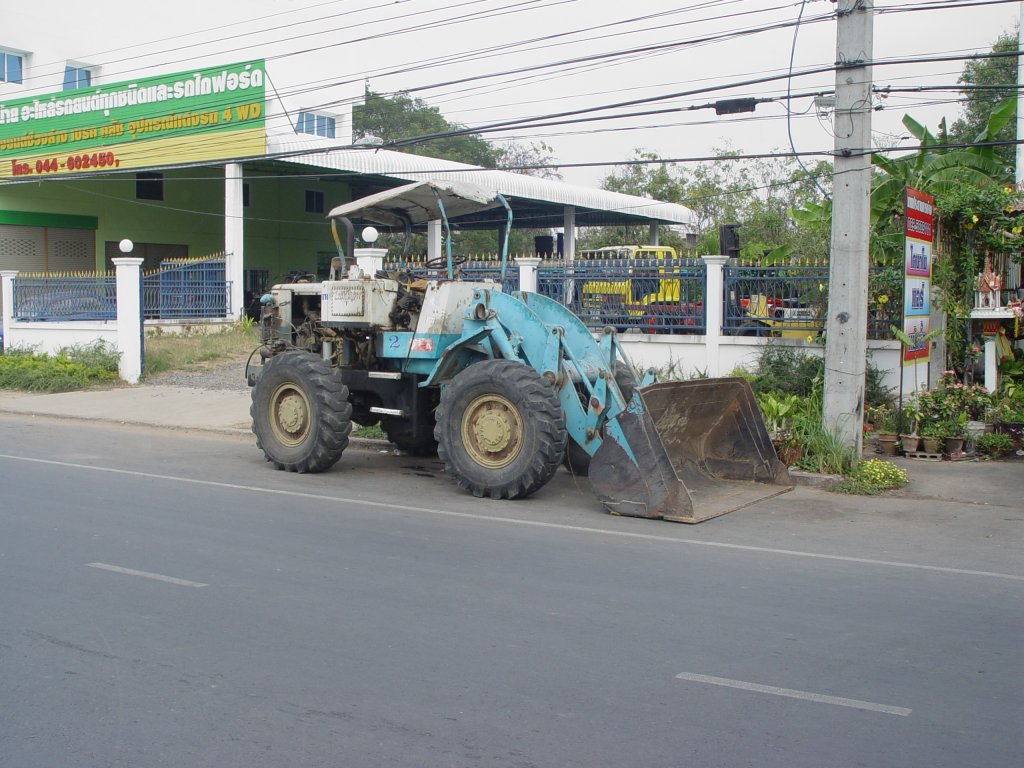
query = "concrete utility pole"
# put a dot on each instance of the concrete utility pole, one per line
(846, 323)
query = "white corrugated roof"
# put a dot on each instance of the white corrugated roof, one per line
(400, 165)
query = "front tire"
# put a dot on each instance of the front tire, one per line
(300, 413)
(500, 430)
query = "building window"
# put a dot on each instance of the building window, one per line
(314, 201)
(149, 186)
(11, 65)
(76, 77)
(314, 124)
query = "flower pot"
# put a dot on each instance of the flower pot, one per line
(931, 444)
(887, 444)
(910, 443)
(972, 431)
(954, 446)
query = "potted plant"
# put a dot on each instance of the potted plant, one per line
(886, 419)
(952, 431)
(995, 444)
(778, 413)
(931, 436)
(909, 438)
(1010, 416)
(950, 406)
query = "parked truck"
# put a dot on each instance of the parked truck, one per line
(504, 386)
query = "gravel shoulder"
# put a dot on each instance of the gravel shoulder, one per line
(221, 375)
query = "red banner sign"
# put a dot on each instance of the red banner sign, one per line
(920, 219)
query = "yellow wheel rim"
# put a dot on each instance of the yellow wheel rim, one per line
(492, 431)
(290, 415)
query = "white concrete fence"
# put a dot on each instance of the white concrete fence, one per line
(712, 354)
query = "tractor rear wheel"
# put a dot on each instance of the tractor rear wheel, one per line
(576, 460)
(500, 429)
(300, 413)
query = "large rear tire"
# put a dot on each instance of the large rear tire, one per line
(500, 430)
(300, 413)
(576, 460)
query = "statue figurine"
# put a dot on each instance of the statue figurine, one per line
(989, 285)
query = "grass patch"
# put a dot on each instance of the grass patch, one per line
(373, 432)
(824, 451)
(72, 368)
(193, 349)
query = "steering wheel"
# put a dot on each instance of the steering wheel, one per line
(441, 262)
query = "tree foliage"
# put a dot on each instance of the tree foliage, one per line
(401, 116)
(979, 104)
(756, 194)
(934, 170)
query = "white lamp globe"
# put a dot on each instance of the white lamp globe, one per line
(125, 246)
(369, 235)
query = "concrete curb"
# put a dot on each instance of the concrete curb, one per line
(813, 479)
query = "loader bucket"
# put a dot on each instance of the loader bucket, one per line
(700, 448)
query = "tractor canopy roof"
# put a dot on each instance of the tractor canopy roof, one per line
(417, 203)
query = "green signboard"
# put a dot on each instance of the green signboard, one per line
(216, 113)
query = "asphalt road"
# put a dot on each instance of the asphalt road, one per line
(170, 600)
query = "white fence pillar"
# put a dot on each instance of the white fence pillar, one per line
(370, 260)
(234, 238)
(129, 318)
(434, 240)
(528, 273)
(7, 301)
(714, 290)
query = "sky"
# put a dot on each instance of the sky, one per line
(488, 61)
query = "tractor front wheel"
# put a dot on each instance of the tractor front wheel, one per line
(500, 430)
(300, 413)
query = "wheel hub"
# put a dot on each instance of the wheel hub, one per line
(290, 415)
(492, 431)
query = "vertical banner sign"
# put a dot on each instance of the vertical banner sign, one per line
(216, 113)
(919, 232)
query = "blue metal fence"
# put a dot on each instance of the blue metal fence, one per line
(179, 290)
(650, 295)
(65, 297)
(183, 289)
(790, 300)
(474, 269)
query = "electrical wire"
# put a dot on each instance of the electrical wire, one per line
(789, 87)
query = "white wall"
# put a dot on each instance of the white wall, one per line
(48, 338)
(687, 356)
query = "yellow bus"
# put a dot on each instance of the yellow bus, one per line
(621, 299)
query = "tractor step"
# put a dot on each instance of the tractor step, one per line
(397, 412)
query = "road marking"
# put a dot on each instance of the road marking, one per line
(793, 694)
(514, 521)
(147, 575)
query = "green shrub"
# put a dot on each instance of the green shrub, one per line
(786, 371)
(70, 369)
(995, 443)
(823, 450)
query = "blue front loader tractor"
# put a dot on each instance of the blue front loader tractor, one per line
(505, 387)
